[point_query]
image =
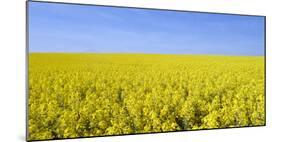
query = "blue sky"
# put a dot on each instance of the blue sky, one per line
(77, 28)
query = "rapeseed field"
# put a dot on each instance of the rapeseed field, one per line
(89, 94)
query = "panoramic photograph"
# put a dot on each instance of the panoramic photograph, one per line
(106, 71)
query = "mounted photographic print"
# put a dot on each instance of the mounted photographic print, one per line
(98, 70)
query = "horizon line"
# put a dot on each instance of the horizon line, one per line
(141, 53)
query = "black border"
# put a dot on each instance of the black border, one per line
(27, 67)
(82, 4)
